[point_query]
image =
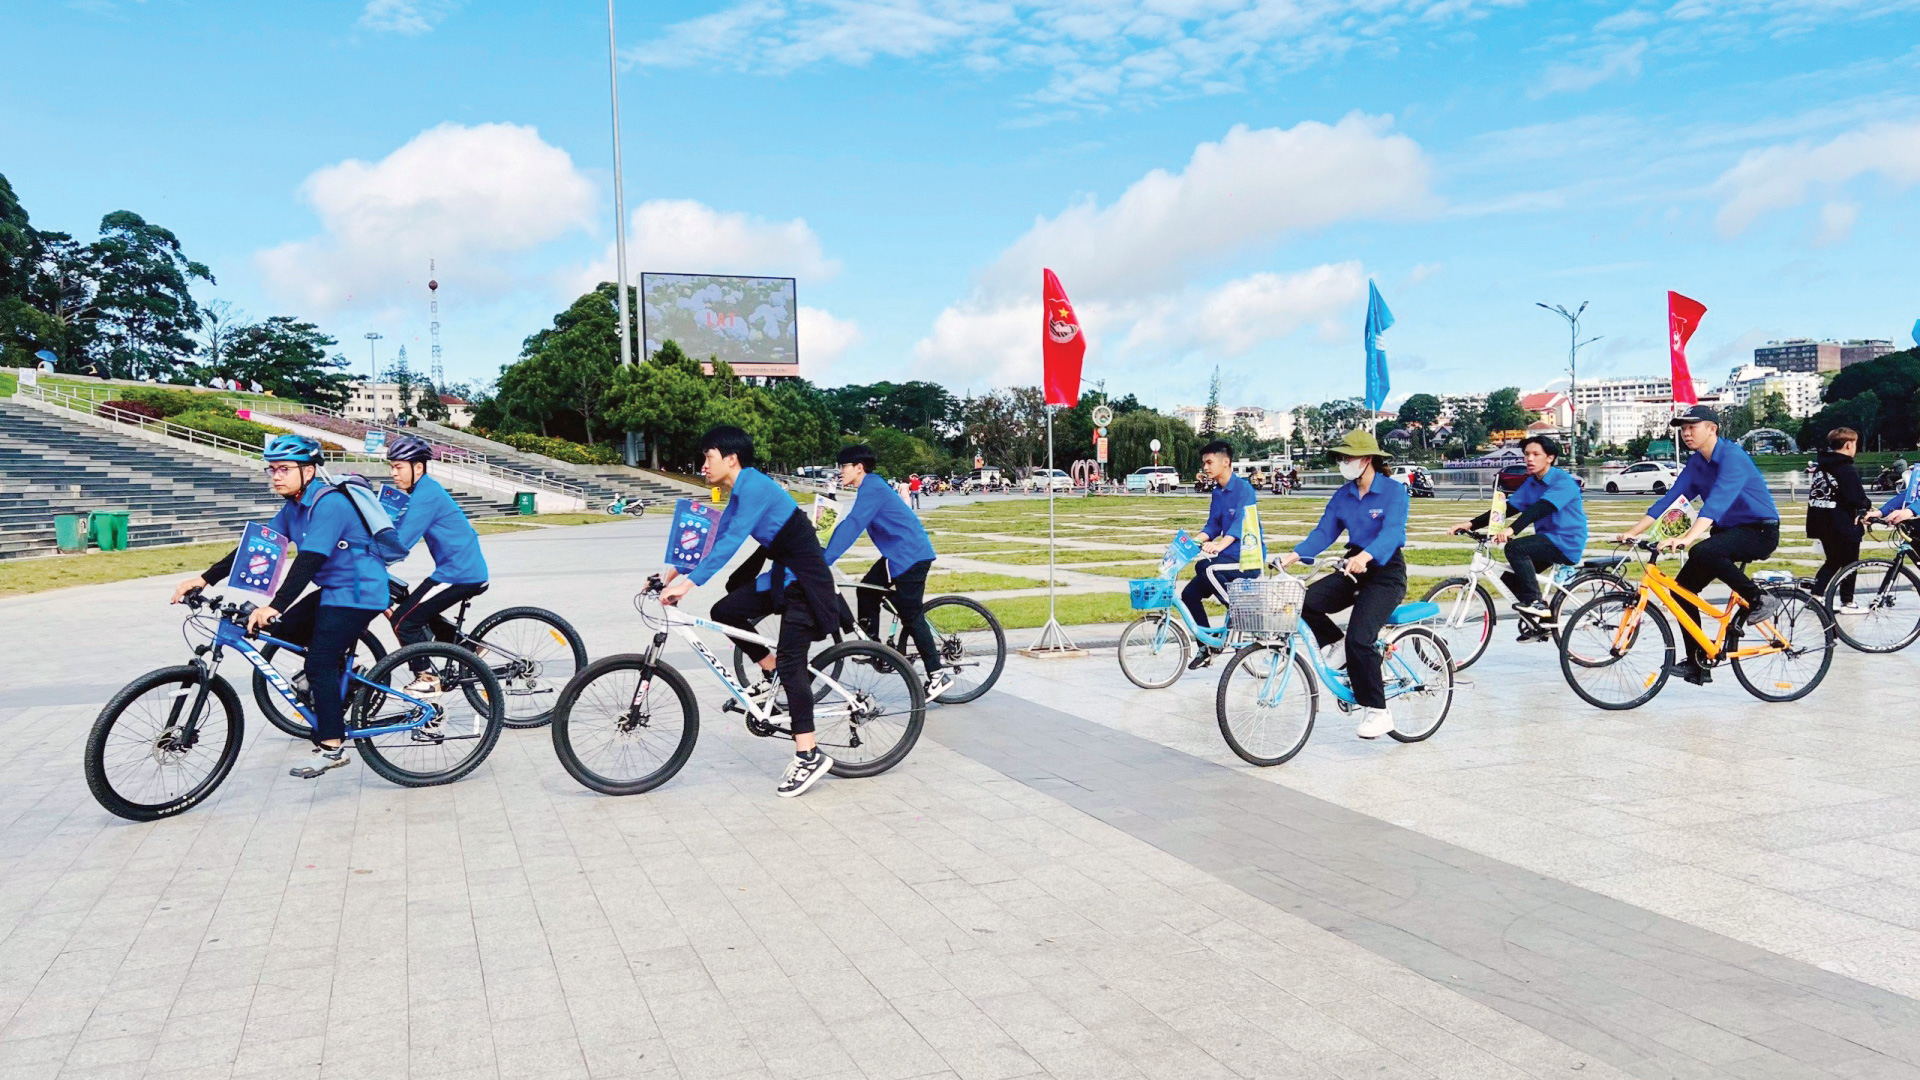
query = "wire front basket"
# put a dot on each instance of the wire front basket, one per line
(1267, 607)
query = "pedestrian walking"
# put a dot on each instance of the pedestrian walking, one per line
(1836, 500)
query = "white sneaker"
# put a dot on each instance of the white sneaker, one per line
(426, 684)
(1374, 723)
(1335, 655)
(1850, 609)
(939, 683)
(762, 692)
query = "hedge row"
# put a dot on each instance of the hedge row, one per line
(561, 449)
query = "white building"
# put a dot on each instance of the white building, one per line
(372, 401)
(1451, 405)
(1267, 424)
(1618, 422)
(1801, 389)
(1631, 388)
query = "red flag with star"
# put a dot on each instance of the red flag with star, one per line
(1683, 318)
(1062, 345)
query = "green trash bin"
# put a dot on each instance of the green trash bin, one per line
(70, 532)
(108, 529)
(523, 501)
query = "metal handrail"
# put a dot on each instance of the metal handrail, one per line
(467, 459)
(93, 406)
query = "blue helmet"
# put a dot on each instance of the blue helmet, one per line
(295, 448)
(409, 448)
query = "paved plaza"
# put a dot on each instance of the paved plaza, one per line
(1069, 878)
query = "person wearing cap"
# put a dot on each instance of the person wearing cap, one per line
(1371, 508)
(1549, 499)
(1738, 522)
(459, 569)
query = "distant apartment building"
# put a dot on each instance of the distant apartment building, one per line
(1801, 389)
(1267, 424)
(1617, 423)
(372, 401)
(1452, 405)
(1860, 350)
(1799, 354)
(1630, 388)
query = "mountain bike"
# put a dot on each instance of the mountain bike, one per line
(1884, 614)
(1466, 606)
(530, 650)
(169, 738)
(1615, 649)
(626, 724)
(1269, 692)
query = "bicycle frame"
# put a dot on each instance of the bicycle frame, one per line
(1401, 680)
(688, 627)
(1656, 583)
(230, 635)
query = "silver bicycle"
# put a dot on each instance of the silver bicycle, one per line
(1466, 604)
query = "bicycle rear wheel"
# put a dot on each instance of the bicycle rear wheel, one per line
(1265, 704)
(970, 642)
(1886, 599)
(1466, 619)
(141, 765)
(533, 653)
(1419, 682)
(1584, 587)
(1154, 650)
(1608, 655)
(1806, 629)
(275, 708)
(868, 718)
(457, 734)
(623, 726)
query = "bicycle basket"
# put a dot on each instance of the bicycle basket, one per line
(1268, 607)
(1150, 594)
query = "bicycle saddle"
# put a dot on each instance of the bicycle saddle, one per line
(1412, 613)
(1602, 562)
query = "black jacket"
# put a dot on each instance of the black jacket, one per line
(1835, 500)
(796, 547)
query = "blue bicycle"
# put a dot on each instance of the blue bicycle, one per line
(1156, 647)
(168, 739)
(1269, 692)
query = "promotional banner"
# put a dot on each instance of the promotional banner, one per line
(692, 534)
(1062, 345)
(1683, 318)
(1179, 554)
(260, 563)
(394, 500)
(824, 513)
(374, 442)
(1378, 320)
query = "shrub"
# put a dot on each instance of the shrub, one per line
(562, 449)
(171, 403)
(222, 422)
(137, 408)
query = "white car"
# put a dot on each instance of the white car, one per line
(1649, 476)
(1048, 480)
(1153, 478)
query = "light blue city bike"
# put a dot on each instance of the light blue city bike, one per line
(1156, 647)
(1269, 692)
(169, 738)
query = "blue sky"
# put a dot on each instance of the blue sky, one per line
(1214, 180)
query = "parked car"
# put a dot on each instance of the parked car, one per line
(1514, 475)
(1653, 476)
(1048, 480)
(983, 480)
(1156, 478)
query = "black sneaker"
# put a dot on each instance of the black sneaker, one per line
(325, 759)
(1203, 658)
(1763, 609)
(802, 773)
(1691, 671)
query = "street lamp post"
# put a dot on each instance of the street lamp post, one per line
(619, 193)
(1574, 345)
(373, 373)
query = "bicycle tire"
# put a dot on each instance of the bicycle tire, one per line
(273, 706)
(1428, 661)
(538, 680)
(902, 702)
(1251, 664)
(1796, 605)
(1144, 630)
(1584, 586)
(1892, 573)
(101, 773)
(379, 752)
(1593, 616)
(1474, 645)
(571, 729)
(952, 649)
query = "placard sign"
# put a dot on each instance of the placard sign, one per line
(260, 563)
(695, 527)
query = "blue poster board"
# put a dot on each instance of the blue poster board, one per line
(695, 527)
(260, 563)
(394, 500)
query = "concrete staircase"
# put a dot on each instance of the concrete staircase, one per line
(602, 482)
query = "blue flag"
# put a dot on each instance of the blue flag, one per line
(1378, 319)
(1916, 333)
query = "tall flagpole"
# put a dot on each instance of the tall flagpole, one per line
(1053, 641)
(619, 195)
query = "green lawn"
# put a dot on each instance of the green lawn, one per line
(941, 582)
(19, 576)
(1037, 555)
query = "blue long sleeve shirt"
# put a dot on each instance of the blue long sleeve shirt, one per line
(757, 508)
(1729, 485)
(1908, 496)
(879, 511)
(1566, 523)
(1226, 514)
(1376, 522)
(352, 576)
(431, 514)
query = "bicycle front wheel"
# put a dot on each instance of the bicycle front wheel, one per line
(623, 726)
(1265, 704)
(1884, 614)
(447, 737)
(868, 707)
(1803, 632)
(275, 708)
(970, 642)
(1466, 619)
(1419, 682)
(1154, 650)
(1614, 654)
(533, 653)
(150, 754)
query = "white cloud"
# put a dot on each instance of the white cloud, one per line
(1783, 177)
(683, 236)
(1234, 318)
(1836, 223)
(1599, 65)
(406, 16)
(469, 197)
(824, 340)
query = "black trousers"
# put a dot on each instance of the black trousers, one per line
(1841, 551)
(1195, 594)
(1714, 559)
(329, 635)
(744, 608)
(1528, 555)
(1373, 596)
(417, 618)
(909, 600)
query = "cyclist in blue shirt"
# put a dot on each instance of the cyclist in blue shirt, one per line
(906, 555)
(335, 554)
(1904, 504)
(1233, 514)
(805, 599)
(1372, 509)
(459, 569)
(1737, 519)
(1549, 499)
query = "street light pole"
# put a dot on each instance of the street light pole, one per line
(1574, 345)
(619, 192)
(373, 365)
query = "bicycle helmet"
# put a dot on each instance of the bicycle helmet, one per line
(295, 448)
(409, 448)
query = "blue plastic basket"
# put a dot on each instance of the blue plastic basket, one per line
(1150, 594)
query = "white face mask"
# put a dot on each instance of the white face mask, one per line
(1351, 468)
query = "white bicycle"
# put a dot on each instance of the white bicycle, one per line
(1466, 615)
(626, 724)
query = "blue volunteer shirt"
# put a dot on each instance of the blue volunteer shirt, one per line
(324, 520)
(1227, 512)
(1729, 484)
(757, 507)
(879, 511)
(1907, 497)
(1566, 523)
(432, 514)
(1375, 522)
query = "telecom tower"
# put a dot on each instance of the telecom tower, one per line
(433, 327)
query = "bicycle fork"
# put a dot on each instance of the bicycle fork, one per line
(637, 709)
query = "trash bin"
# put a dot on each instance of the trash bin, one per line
(523, 502)
(108, 528)
(69, 532)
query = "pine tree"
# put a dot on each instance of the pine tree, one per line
(1210, 419)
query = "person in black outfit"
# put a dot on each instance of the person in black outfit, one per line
(1835, 503)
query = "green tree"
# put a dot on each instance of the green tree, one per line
(1893, 379)
(662, 397)
(564, 373)
(147, 310)
(288, 358)
(1130, 442)
(1210, 418)
(1736, 420)
(1503, 411)
(1420, 409)
(23, 328)
(1770, 410)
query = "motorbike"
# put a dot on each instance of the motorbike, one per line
(627, 504)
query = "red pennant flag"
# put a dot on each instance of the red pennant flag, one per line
(1683, 318)
(1062, 345)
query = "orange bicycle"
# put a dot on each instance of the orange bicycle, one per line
(1615, 649)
